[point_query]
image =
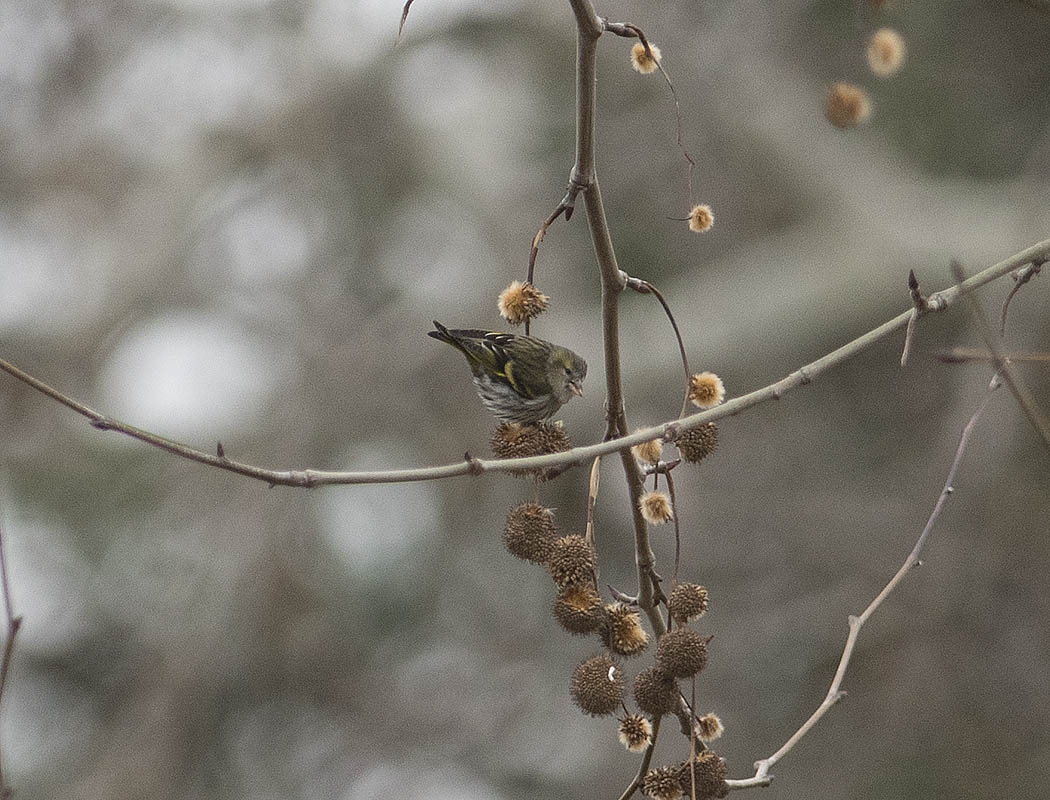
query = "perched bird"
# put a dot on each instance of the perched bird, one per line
(518, 378)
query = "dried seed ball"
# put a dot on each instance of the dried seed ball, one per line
(622, 631)
(687, 601)
(635, 732)
(846, 105)
(642, 61)
(709, 772)
(681, 653)
(656, 507)
(662, 783)
(698, 443)
(709, 727)
(886, 52)
(571, 561)
(597, 685)
(706, 390)
(530, 533)
(655, 693)
(701, 218)
(516, 440)
(521, 301)
(578, 609)
(648, 452)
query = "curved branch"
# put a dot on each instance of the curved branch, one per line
(835, 693)
(939, 301)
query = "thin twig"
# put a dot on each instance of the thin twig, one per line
(644, 287)
(1013, 381)
(14, 623)
(309, 478)
(921, 307)
(964, 355)
(404, 17)
(835, 693)
(627, 30)
(592, 497)
(677, 531)
(1021, 277)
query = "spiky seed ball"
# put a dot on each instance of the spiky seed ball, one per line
(578, 609)
(529, 532)
(886, 52)
(642, 61)
(656, 507)
(655, 693)
(709, 727)
(648, 452)
(571, 561)
(519, 440)
(706, 390)
(635, 732)
(687, 602)
(623, 632)
(708, 771)
(597, 685)
(521, 301)
(698, 443)
(701, 218)
(846, 105)
(662, 783)
(681, 653)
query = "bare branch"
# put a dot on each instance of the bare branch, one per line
(13, 624)
(1013, 381)
(1021, 277)
(835, 693)
(309, 478)
(644, 287)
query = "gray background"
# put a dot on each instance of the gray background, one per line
(236, 221)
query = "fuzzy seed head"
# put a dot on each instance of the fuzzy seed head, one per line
(518, 440)
(642, 61)
(709, 727)
(648, 452)
(578, 609)
(571, 561)
(623, 632)
(521, 301)
(698, 443)
(655, 693)
(529, 532)
(662, 783)
(709, 773)
(886, 52)
(701, 218)
(597, 685)
(706, 390)
(656, 507)
(635, 732)
(687, 602)
(846, 105)
(681, 653)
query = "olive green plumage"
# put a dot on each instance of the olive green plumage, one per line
(518, 378)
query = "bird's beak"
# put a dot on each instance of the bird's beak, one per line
(577, 388)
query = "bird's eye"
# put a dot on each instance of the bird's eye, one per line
(568, 371)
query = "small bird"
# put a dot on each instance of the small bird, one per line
(518, 378)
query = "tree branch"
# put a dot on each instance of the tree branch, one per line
(835, 693)
(308, 478)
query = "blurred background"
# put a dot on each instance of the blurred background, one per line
(236, 220)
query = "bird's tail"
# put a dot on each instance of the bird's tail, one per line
(442, 334)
